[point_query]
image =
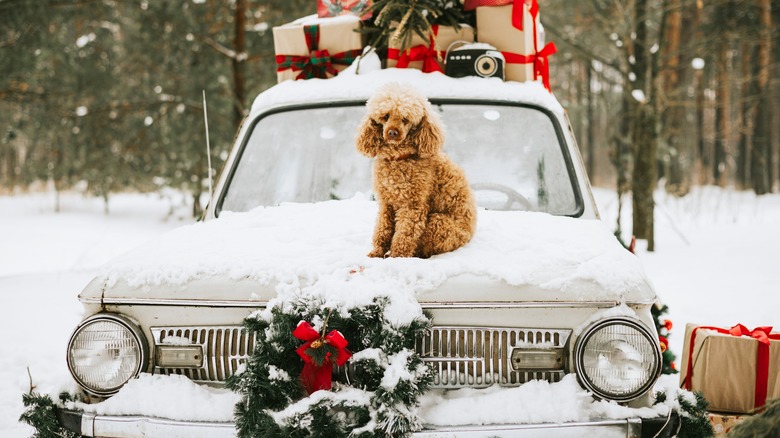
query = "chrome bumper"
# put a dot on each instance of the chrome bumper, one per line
(90, 425)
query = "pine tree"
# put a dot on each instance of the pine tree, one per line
(397, 21)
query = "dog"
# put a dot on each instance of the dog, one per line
(426, 206)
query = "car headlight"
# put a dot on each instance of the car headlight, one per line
(617, 359)
(105, 351)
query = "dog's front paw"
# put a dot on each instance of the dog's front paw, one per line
(377, 253)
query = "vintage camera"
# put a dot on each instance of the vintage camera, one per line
(475, 60)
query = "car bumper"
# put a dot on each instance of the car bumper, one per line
(91, 425)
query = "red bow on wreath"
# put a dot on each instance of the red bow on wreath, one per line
(319, 353)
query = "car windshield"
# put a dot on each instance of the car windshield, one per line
(512, 157)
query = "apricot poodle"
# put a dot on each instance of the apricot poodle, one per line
(425, 204)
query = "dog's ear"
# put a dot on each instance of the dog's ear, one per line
(369, 137)
(428, 136)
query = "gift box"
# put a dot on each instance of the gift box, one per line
(314, 47)
(722, 424)
(429, 55)
(736, 369)
(513, 27)
(334, 8)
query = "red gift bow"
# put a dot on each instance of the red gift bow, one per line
(314, 377)
(763, 335)
(539, 60)
(427, 54)
(319, 63)
(517, 8)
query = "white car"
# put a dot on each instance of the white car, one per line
(543, 293)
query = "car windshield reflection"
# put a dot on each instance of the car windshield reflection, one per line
(512, 156)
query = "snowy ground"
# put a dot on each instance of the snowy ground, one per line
(716, 262)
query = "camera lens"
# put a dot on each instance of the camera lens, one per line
(485, 66)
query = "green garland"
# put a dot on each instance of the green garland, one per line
(41, 413)
(373, 403)
(664, 327)
(694, 422)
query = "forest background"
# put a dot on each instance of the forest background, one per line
(105, 96)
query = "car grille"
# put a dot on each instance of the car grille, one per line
(478, 357)
(224, 348)
(460, 356)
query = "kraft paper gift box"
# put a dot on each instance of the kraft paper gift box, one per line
(313, 47)
(513, 27)
(735, 369)
(429, 55)
(722, 424)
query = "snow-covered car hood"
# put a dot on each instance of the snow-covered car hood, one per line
(251, 257)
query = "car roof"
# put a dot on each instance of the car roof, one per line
(359, 81)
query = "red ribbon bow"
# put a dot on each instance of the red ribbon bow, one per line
(315, 377)
(539, 60)
(763, 335)
(427, 54)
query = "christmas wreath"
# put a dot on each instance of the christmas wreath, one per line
(286, 384)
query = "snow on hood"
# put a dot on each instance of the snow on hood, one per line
(363, 77)
(324, 246)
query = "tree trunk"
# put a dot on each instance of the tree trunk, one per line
(643, 134)
(590, 162)
(239, 47)
(743, 158)
(722, 116)
(761, 159)
(674, 115)
(197, 210)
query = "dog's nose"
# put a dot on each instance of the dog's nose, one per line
(392, 133)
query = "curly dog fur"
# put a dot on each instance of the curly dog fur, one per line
(425, 204)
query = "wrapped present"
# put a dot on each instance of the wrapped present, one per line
(737, 370)
(334, 8)
(316, 47)
(722, 424)
(429, 56)
(513, 27)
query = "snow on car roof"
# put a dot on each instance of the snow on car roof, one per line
(351, 86)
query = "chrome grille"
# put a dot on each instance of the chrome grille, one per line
(474, 357)
(224, 348)
(478, 357)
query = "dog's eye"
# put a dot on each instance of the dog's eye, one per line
(405, 120)
(385, 117)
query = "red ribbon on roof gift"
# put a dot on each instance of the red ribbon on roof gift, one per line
(517, 8)
(427, 54)
(538, 59)
(763, 335)
(319, 63)
(318, 374)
